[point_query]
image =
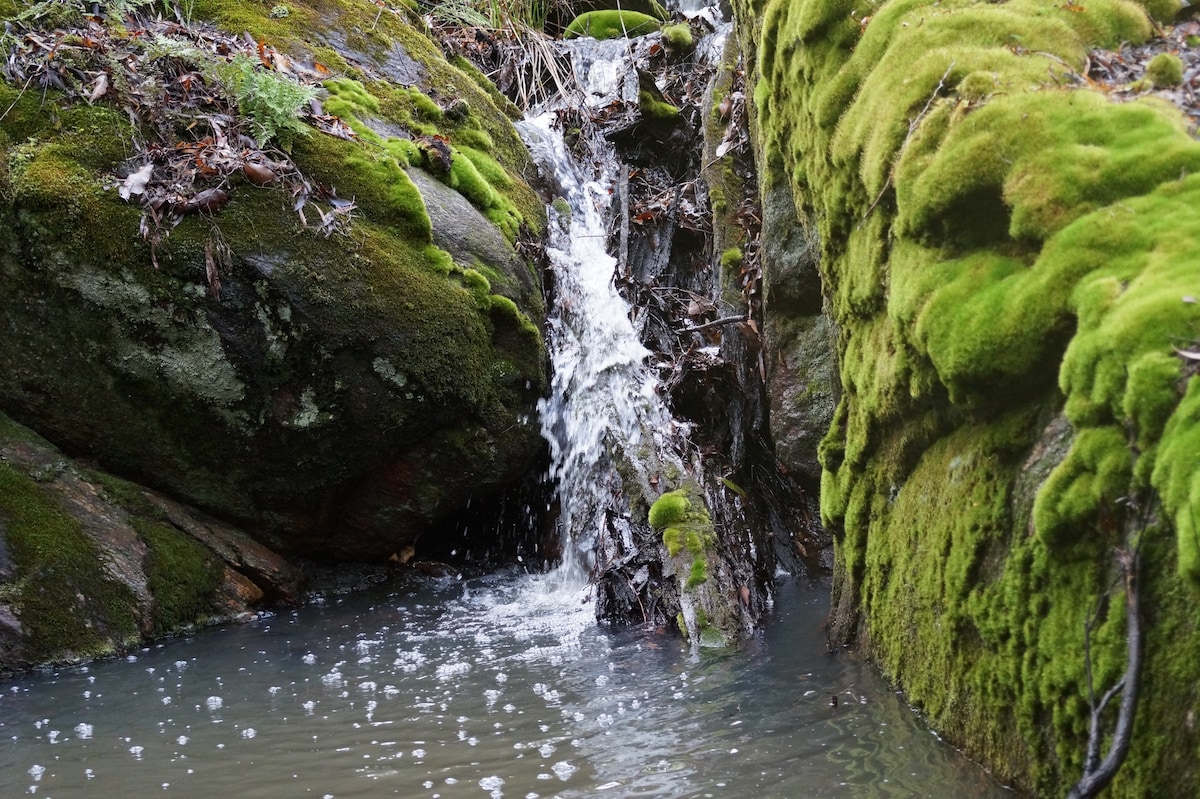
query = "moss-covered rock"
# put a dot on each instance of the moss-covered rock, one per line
(710, 610)
(1004, 255)
(340, 395)
(612, 24)
(91, 564)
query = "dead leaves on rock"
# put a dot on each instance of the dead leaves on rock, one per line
(1122, 73)
(193, 147)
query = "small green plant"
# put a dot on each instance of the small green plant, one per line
(1165, 70)
(678, 38)
(271, 101)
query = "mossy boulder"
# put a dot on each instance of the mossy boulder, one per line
(1006, 257)
(340, 395)
(91, 564)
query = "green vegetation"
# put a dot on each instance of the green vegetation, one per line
(183, 576)
(655, 108)
(1165, 70)
(68, 607)
(271, 101)
(609, 24)
(687, 533)
(994, 235)
(678, 38)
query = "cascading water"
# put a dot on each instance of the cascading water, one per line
(604, 398)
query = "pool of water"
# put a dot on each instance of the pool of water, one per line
(502, 686)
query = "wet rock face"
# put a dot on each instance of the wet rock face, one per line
(270, 406)
(338, 393)
(798, 336)
(89, 563)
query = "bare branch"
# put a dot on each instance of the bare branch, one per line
(1096, 776)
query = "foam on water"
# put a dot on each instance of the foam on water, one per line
(513, 691)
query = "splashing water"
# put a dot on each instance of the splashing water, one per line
(604, 405)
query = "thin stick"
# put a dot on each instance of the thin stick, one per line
(912, 126)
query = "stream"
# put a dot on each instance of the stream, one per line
(504, 685)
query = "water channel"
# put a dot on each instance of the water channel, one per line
(503, 685)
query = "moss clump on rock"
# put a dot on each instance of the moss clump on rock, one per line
(612, 25)
(687, 533)
(678, 38)
(1165, 70)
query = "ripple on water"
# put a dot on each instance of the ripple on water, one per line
(480, 709)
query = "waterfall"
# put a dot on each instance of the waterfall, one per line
(604, 398)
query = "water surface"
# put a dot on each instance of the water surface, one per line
(498, 687)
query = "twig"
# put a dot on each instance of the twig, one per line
(1098, 773)
(724, 320)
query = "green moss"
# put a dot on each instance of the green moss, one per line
(993, 234)
(678, 37)
(669, 509)
(1095, 476)
(466, 178)
(376, 181)
(609, 24)
(1176, 478)
(731, 259)
(1165, 70)
(673, 539)
(656, 109)
(183, 576)
(68, 607)
(698, 574)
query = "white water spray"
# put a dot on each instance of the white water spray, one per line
(603, 402)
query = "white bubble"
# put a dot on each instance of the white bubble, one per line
(136, 751)
(492, 784)
(36, 772)
(249, 732)
(448, 670)
(182, 740)
(309, 659)
(214, 703)
(563, 770)
(83, 730)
